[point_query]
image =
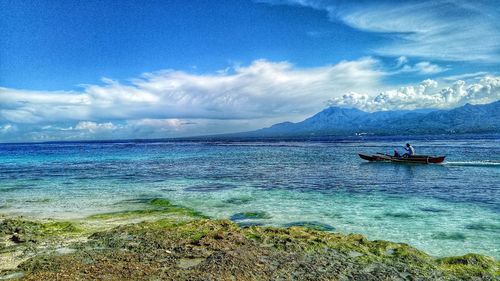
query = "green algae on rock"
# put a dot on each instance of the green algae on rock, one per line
(155, 206)
(238, 200)
(250, 215)
(172, 242)
(449, 236)
(210, 187)
(312, 224)
(471, 266)
(220, 250)
(34, 230)
(21, 239)
(490, 227)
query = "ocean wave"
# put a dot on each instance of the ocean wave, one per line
(482, 163)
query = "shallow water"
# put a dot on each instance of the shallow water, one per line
(447, 209)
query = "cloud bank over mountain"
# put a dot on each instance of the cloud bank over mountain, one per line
(427, 94)
(177, 103)
(245, 96)
(337, 121)
(262, 89)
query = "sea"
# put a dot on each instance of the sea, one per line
(443, 209)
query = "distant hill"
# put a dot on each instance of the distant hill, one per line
(337, 121)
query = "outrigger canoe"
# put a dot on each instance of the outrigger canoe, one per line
(422, 159)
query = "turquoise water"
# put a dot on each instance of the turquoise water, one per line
(447, 209)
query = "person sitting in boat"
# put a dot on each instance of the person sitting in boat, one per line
(396, 153)
(410, 151)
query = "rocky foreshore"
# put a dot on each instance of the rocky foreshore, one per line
(164, 241)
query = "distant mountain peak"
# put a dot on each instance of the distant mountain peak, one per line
(344, 121)
(286, 123)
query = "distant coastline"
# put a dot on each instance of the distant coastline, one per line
(338, 121)
(229, 138)
(335, 123)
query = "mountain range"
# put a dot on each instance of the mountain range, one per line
(337, 121)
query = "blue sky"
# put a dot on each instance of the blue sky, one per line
(56, 45)
(141, 69)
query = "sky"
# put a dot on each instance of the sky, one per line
(77, 70)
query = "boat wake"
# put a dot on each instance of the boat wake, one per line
(483, 163)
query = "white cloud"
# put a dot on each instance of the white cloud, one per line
(475, 75)
(438, 29)
(261, 90)
(176, 103)
(131, 129)
(401, 61)
(7, 128)
(426, 67)
(21, 106)
(425, 95)
(95, 127)
(169, 123)
(403, 65)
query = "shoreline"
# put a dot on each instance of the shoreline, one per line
(172, 242)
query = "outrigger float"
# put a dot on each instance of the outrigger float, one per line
(420, 159)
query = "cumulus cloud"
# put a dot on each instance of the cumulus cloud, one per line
(130, 129)
(176, 103)
(262, 89)
(165, 103)
(94, 127)
(437, 29)
(427, 94)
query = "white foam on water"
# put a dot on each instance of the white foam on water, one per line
(481, 163)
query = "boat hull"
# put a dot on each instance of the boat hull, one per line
(419, 159)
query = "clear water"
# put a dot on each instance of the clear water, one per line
(447, 209)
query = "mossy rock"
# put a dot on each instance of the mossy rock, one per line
(24, 228)
(250, 215)
(211, 187)
(238, 200)
(449, 236)
(154, 207)
(470, 266)
(432, 210)
(484, 227)
(11, 226)
(222, 250)
(249, 223)
(399, 215)
(160, 202)
(312, 225)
